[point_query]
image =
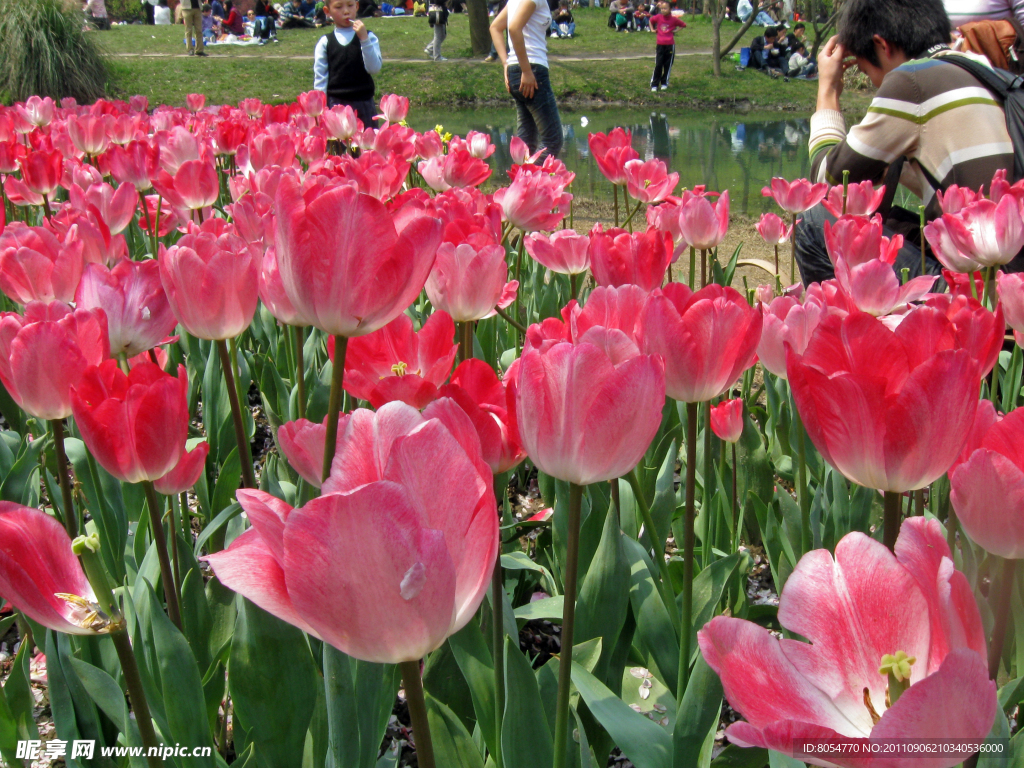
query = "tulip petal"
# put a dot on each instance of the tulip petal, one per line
(988, 493)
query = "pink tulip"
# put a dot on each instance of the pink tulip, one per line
(611, 153)
(40, 171)
(976, 329)
(520, 152)
(773, 230)
(937, 233)
(856, 608)
(36, 266)
(563, 251)
(405, 563)
(703, 224)
(212, 283)
(861, 199)
(727, 419)
(302, 443)
(11, 155)
(341, 122)
(194, 186)
(313, 103)
(195, 101)
(344, 267)
(398, 363)
(619, 308)
(393, 108)
(114, 207)
(272, 292)
(135, 425)
(491, 406)
(955, 198)
(429, 145)
(797, 196)
(46, 352)
(649, 182)
(707, 338)
(136, 164)
(874, 288)
(37, 111)
(534, 201)
(1010, 288)
(131, 296)
(186, 473)
(479, 144)
(788, 323)
(462, 169)
(988, 233)
(887, 409)
(619, 258)
(588, 404)
(857, 240)
(40, 574)
(89, 134)
(469, 282)
(432, 171)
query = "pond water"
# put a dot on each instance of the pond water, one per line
(735, 152)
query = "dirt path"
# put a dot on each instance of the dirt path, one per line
(261, 52)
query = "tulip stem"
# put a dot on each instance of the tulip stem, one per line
(891, 518)
(510, 320)
(418, 713)
(244, 454)
(688, 545)
(792, 251)
(615, 197)
(149, 224)
(137, 696)
(659, 551)
(70, 517)
(778, 276)
(519, 269)
(693, 266)
(919, 502)
(703, 267)
(300, 370)
(735, 500)
(334, 405)
(806, 540)
(573, 286)
(166, 575)
(572, 546)
(174, 548)
(1001, 610)
(464, 332)
(498, 633)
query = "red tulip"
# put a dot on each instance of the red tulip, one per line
(945, 248)
(788, 323)
(587, 404)
(313, 103)
(773, 230)
(397, 363)
(212, 282)
(11, 155)
(1010, 288)
(619, 258)
(469, 282)
(462, 169)
(36, 266)
(861, 199)
(707, 338)
(727, 419)
(858, 610)
(40, 574)
(405, 563)
(186, 473)
(393, 108)
(872, 285)
(136, 164)
(491, 406)
(797, 196)
(133, 300)
(977, 329)
(703, 224)
(46, 352)
(611, 153)
(960, 283)
(888, 409)
(344, 267)
(341, 123)
(195, 185)
(988, 233)
(534, 201)
(562, 251)
(377, 174)
(135, 425)
(40, 171)
(89, 134)
(429, 145)
(114, 207)
(195, 101)
(649, 182)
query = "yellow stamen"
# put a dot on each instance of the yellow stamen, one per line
(897, 665)
(399, 368)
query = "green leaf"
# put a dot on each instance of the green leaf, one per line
(21, 484)
(520, 561)
(646, 744)
(360, 696)
(697, 714)
(654, 628)
(549, 608)
(779, 760)
(453, 746)
(262, 687)
(227, 482)
(525, 735)
(1000, 733)
(738, 757)
(103, 497)
(18, 693)
(101, 687)
(474, 659)
(708, 587)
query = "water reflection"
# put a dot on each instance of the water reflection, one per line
(721, 151)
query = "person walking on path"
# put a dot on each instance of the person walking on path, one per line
(192, 15)
(527, 79)
(437, 17)
(665, 25)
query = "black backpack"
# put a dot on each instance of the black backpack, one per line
(1008, 88)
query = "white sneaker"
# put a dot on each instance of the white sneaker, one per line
(664, 87)
(654, 90)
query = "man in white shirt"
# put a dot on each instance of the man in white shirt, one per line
(525, 62)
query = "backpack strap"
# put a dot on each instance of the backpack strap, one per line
(999, 81)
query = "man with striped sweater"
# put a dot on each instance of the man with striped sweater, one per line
(946, 125)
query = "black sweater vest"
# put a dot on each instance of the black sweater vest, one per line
(347, 78)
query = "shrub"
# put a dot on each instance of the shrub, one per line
(48, 53)
(125, 10)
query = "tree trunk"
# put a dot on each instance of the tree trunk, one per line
(479, 27)
(743, 30)
(716, 41)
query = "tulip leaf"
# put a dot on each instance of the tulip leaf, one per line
(227, 482)
(18, 693)
(453, 746)
(549, 608)
(708, 587)
(739, 757)
(646, 744)
(779, 760)
(21, 483)
(520, 561)
(105, 502)
(655, 630)
(1000, 733)
(360, 696)
(216, 408)
(12, 414)
(696, 716)
(101, 687)
(474, 659)
(262, 687)
(74, 708)
(525, 734)
(9, 735)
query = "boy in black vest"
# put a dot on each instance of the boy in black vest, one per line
(346, 60)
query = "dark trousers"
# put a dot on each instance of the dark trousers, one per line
(365, 110)
(663, 58)
(537, 120)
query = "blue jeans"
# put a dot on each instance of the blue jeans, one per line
(537, 120)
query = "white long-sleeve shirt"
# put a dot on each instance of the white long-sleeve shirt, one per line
(963, 11)
(370, 48)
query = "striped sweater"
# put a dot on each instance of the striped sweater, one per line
(963, 11)
(951, 129)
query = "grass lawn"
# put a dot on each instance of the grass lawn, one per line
(141, 62)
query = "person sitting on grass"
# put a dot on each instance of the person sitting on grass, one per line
(800, 65)
(346, 60)
(231, 24)
(208, 32)
(766, 55)
(564, 22)
(162, 13)
(642, 17)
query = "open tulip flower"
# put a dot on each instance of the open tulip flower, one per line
(788, 324)
(36, 266)
(861, 199)
(869, 396)
(398, 363)
(937, 233)
(978, 330)
(620, 258)
(386, 564)
(534, 201)
(797, 196)
(649, 181)
(563, 251)
(896, 651)
(1010, 287)
(611, 152)
(988, 233)
(468, 281)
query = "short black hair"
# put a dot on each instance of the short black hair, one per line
(799, 25)
(913, 26)
(771, 32)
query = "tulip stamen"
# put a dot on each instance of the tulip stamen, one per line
(875, 717)
(897, 668)
(400, 368)
(89, 615)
